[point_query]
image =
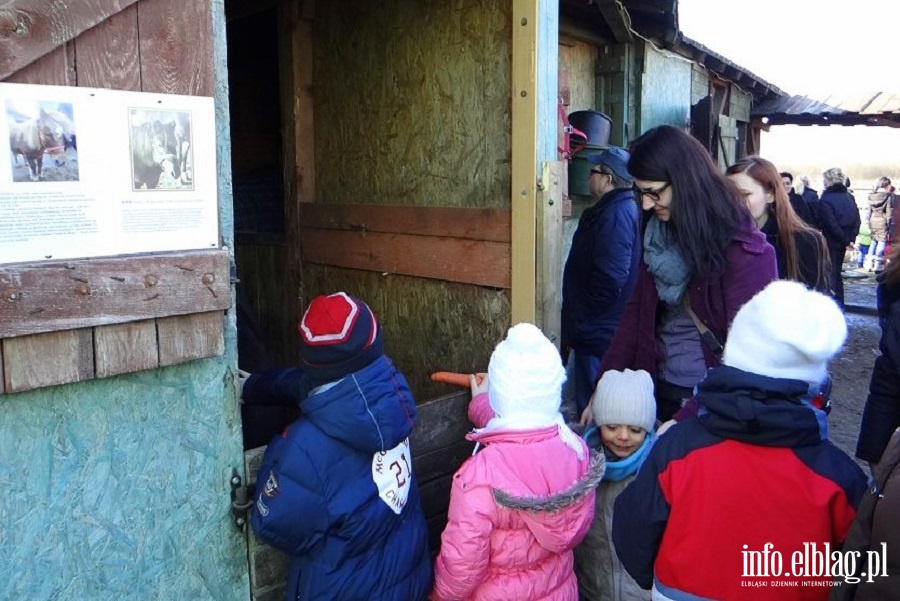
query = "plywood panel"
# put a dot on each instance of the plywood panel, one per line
(188, 337)
(426, 119)
(47, 359)
(125, 348)
(175, 38)
(108, 54)
(33, 28)
(69, 295)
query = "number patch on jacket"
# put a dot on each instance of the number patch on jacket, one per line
(391, 472)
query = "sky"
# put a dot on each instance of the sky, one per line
(813, 48)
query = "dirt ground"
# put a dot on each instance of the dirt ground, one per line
(852, 368)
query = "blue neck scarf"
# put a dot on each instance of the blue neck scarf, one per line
(616, 468)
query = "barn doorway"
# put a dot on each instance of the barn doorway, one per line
(258, 195)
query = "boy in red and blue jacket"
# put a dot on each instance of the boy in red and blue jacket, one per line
(754, 474)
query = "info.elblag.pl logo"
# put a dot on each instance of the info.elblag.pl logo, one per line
(812, 562)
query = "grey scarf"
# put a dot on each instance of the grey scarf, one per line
(664, 261)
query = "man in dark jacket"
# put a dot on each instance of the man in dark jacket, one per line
(798, 203)
(840, 220)
(601, 269)
(754, 472)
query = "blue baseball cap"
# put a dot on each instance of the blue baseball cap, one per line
(613, 158)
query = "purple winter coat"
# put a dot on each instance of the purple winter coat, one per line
(716, 300)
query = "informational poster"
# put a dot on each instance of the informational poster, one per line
(94, 173)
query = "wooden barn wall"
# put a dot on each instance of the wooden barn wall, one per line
(577, 73)
(412, 108)
(699, 84)
(666, 89)
(118, 488)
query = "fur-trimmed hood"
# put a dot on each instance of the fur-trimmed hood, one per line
(561, 500)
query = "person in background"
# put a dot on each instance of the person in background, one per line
(861, 246)
(601, 269)
(754, 468)
(703, 258)
(799, 204)
(880, 220)
(800, 250)
(336, 491)
(811, 196)
(624, 411)
(881, 415)
(519, 505)
(840, 221)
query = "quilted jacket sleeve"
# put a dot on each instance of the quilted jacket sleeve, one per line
(290, 512)
(480, 411)
(465, 544)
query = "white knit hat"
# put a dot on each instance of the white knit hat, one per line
(525, 375)
(625, 398)
(786, 331)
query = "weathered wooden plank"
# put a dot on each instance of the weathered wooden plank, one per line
(524, 149)
(297, 69)
(29, 29)
(175, 43)
(108, 54)
(450, 259)
(2, 370)
(550, 259)
(68, 295)
(450, 222)
(441, 422)
(188, 337)
(33, 362)
(125, 348)
(51, 69)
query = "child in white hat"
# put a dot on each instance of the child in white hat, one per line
(624, 412)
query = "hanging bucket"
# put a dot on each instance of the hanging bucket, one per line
(594, 124)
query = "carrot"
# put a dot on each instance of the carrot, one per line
(450, 377)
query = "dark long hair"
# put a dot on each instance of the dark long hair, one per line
(707, 208)
(787, 223)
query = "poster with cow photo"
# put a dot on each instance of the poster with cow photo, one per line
(161, 149)
(94, 172)
(42, 140)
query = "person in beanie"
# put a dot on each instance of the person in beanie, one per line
(624, 412)
(754, 472)
(600, 271)
(522, 502)
(840, 220)
(336, 490)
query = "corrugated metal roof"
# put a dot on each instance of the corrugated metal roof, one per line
(875, 108)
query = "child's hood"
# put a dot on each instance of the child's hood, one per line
(370, 410)
(554, 520)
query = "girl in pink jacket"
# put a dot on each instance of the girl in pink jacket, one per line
(522, 503)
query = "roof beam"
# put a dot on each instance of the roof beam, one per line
(617, 18)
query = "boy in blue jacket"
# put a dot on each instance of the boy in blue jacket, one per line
(336, 490)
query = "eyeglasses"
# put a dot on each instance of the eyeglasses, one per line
(651, 194)
(598, 172)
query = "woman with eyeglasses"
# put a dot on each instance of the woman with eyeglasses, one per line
(800, 250)
(703, 258)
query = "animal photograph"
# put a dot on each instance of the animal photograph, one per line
(42, 141)
(161, 152)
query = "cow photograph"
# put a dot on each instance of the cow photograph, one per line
(42, 141)
(161, 151)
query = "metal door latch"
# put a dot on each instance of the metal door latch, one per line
(240, 500)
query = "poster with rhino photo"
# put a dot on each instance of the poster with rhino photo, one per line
(94, 173)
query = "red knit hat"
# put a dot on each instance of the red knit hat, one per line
(338, 336)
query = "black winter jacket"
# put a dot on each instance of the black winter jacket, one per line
(839, 217)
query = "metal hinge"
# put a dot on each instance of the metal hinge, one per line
(240, 500)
